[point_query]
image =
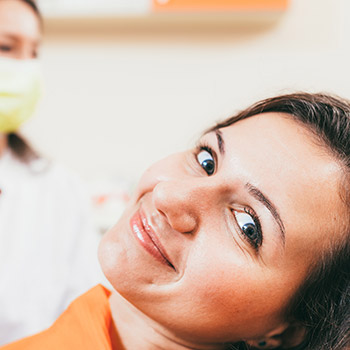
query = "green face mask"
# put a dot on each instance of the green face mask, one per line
(20, 90)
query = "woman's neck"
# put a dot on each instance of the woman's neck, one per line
(134, 330)
(3, 144)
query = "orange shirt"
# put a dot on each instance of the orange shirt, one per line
(84, 325)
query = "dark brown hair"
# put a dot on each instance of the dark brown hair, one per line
(17, 144)
(322, 304)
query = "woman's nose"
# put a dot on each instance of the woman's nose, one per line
(184, 203)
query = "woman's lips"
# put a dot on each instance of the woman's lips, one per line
(148, 239)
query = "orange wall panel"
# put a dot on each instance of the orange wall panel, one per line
(218, 5)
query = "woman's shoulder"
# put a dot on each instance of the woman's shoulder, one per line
(83, 325)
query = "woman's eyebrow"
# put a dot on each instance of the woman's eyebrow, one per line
(221, 142)
(258, 195)
(9, 36)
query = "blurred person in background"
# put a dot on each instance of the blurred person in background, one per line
(47, 245)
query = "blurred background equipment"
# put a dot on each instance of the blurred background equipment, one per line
(56, 8)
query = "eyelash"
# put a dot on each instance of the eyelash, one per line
(204, 146)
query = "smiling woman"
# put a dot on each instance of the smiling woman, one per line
(232, 244)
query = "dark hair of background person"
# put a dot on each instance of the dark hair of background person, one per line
(17, 144)
(322, 303)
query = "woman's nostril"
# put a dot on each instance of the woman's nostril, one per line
(161, 212)
(182, 220)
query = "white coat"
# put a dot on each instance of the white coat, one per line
(48, 249)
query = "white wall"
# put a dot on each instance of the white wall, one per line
(119, 98)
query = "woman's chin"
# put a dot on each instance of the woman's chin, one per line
(113, 257)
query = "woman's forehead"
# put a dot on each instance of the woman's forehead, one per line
(19, 19)
(280, 136)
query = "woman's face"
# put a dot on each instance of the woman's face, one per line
(20, 30)
(217, 239)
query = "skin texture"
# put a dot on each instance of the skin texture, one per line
(20, 36)
(222, 289)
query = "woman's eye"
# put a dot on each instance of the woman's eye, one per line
(206, 160)
(5, 48)
(249, 228)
